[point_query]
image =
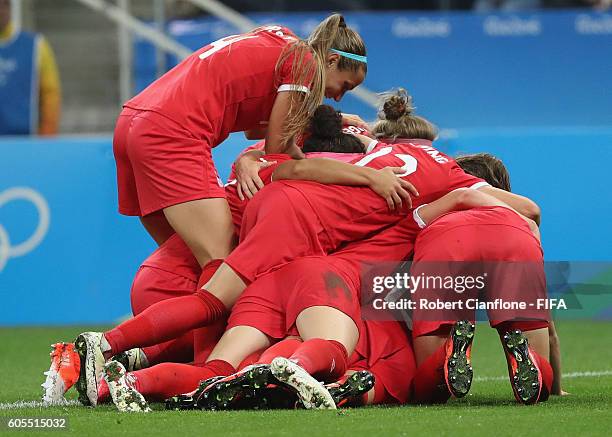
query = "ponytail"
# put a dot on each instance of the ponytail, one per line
(331, 33)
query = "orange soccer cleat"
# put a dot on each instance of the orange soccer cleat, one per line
(63, 373)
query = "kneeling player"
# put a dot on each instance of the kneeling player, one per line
(489, 231)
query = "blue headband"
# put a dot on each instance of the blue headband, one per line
(359, 58)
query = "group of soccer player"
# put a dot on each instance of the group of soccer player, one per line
(253, 297)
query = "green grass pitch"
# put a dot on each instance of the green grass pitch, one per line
(489, 409)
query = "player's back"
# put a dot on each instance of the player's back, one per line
(353, 213)
(226, 86)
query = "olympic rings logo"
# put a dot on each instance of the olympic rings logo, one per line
(7, 250)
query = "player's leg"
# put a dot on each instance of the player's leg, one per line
(152, 285)
(156, 383)
(444, 361)
(162, 321)
(519, 276)
(205, 225)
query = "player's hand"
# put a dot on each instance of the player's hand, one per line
(354, 120)
(247, 174)
(390, 187)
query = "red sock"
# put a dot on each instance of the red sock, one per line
(170, 379)
(251, 359)
(381, 395)
(165, 321)
(547, 375)
(179, 350)
(208, 271)
(205, 339)
(284, 348)
(324, 359)
(103, 391)
(429, 383)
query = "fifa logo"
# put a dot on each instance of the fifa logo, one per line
(9, 250)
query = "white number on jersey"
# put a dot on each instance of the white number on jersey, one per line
(410, 163)
(228, 40)
(222, 43)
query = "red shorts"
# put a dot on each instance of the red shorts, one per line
(159, 164)
(278, 226)
(491, 239)
(273, 302)
(385, 349)
(152, 285)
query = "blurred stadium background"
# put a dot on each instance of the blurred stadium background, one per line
(529, 81)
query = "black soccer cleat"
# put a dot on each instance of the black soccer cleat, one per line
(188, 401)
(458, 370)
(351, 391)
(525, 376)
(224, 393)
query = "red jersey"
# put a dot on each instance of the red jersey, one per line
(227, 86)
(237, 206)
(353, 213)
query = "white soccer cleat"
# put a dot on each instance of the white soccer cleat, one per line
(310, 391)
(89, 348)
(125, 397)
(62, 374)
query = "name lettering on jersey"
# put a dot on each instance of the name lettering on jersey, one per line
(435, 154)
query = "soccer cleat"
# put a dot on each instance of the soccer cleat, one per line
(125, 397)
(525, 376)
(88, 346)
(311, 392)
(248, 383)
(188, 401)
(133, 359)
(458, 371)
(351, 390)
(62, 374)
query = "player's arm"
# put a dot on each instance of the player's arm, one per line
(520, 204)
(256, 134)
(277, 124)
(555, 359)
(383, 182)
(247, 168)
(459, 200)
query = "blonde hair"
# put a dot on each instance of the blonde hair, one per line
(396, 118)
(331, 33)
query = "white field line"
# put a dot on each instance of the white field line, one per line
(39, 404)
(35, 404)
(594, 374)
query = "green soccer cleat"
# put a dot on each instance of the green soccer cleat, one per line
(351, 390)
(225, 393)
(189, 401)
(458, 371)
(525, 376)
